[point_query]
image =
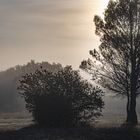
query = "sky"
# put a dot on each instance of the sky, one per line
(60, 31)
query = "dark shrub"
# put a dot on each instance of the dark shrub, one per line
(53, 110)
(61, 99)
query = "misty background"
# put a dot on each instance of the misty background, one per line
(60, 31)
(12, 102)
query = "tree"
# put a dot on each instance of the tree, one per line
(116, 63)
(60, 99)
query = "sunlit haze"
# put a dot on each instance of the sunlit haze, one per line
(47, 30)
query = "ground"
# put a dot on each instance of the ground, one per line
(41, 133)
(21, 127)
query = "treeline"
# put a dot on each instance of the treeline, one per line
(10, 101)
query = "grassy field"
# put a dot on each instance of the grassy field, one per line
(19, 126)
(40, 133)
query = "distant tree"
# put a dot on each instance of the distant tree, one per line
(116, 64)
(60, 99)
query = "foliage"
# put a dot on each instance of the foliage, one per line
(60, 99)
(9, 99)
(116, 64)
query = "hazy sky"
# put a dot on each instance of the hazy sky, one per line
(47, 30)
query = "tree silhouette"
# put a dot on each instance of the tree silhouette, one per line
(116, 64)
(60, 99)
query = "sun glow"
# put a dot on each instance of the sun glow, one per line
(104, 4)
(105, 1)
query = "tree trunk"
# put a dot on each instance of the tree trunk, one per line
(127, 107)
(131, 111)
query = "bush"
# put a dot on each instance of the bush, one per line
(61, 99)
